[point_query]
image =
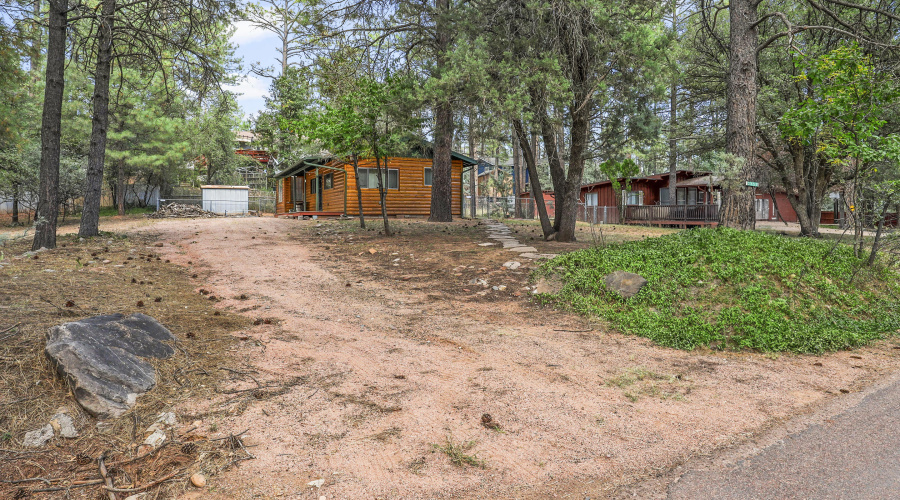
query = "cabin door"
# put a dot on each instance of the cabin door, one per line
(762, 209)
(298, 193)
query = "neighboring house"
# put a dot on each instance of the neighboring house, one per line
(244, 139)
(324, 185)
(692, 188)
(496, 180)
(696, 200)
(549, 203)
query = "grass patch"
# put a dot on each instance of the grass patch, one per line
(641, 381)
(459, 453)
(113, 211)
(724, 288)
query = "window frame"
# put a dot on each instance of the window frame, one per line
(640, 196)
(365, 171)
(328, 181)
(425, 174)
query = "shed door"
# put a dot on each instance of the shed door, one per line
(762, 209)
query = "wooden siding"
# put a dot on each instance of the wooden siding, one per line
(413, 198)
(785, 209)
(606, 197)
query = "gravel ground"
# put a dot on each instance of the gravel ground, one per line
(382, 370)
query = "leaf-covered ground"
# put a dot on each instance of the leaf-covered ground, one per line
(724, 288)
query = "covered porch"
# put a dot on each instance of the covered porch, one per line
(695, 203)
(314, 187)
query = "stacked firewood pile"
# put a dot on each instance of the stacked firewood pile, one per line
(173, 210)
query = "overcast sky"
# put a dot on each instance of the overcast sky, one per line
(253, 45)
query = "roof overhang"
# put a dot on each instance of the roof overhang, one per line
(306, 164)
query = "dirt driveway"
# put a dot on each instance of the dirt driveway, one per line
(388, 371)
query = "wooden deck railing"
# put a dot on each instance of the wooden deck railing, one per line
(658, 213)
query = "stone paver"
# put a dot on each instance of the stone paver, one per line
(501, 234)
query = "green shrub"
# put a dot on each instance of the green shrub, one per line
(735, 289)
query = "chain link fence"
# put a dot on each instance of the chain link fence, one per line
(506, 207)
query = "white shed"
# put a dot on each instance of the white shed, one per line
(226, 200)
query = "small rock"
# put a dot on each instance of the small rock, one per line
(501, 287)
(486, 244)
(373, 251)
(156, 439)
(38, 438)
(198, 480)
(318, 483)
(512, 265)
(137, 496)
(624, 283)
(64, 425)
(167, 418)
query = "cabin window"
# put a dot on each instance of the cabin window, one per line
(280, 192)
(329, 181)
(428, 176)
(590, 199)
(634, 198)
(680, 196)
(664, 196)
(692, 196)
(368, 178)
(314, 185)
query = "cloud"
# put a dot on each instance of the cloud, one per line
(246, 33)
(250, 87)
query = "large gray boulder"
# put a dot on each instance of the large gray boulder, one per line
(100, 358)
(625, 284)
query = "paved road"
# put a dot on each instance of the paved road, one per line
(854, 454)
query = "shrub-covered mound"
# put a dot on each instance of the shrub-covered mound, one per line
(735, 289)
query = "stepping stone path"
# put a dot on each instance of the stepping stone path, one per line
(501, 233)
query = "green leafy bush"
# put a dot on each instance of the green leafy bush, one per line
(735, 289)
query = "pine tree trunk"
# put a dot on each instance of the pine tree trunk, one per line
(441, 171)
(517, 179)
(567, 200)
(673, 144)
(120, 186)
(90, 215)
(15, 204)
(738, 209)
(382, 193)
(362, 218)
(554, 162)
(473, 185)
(51, 123)
(536, 192)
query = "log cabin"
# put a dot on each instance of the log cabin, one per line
(326, 186)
